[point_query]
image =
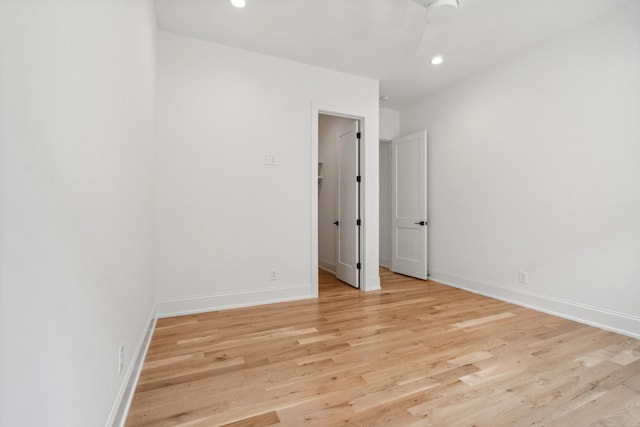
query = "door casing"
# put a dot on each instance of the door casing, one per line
(367, 282)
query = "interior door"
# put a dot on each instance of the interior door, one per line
(409, 205)
(347, 240)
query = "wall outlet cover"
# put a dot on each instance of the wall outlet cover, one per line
(522, 277)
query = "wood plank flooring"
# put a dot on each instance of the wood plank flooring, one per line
(415, 353)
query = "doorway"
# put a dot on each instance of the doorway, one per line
(339, 214)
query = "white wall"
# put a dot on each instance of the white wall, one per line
(224, 219)
(76, 205)
(389, 124)
(534, 167)
(328, 129)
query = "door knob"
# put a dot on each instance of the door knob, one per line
(421, 223)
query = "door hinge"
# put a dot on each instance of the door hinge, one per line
(358, 222)
(358, 266)
(358, 135)
(358, 178)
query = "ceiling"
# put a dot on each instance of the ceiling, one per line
(380, 38)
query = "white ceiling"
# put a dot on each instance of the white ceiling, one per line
(379, 38)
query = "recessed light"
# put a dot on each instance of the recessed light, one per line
(437, 60)
(239, 3)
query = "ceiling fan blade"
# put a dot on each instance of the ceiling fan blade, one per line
(427, 39)
(437, 3)
(439, 12)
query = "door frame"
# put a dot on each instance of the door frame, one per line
(368, 282)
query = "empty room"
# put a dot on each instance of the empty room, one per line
(335, 212)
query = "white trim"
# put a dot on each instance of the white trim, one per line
(330, 268)
(227, 300)
(620, 323)
(374, 284)
(313, 279)
(122, 404)
(385, 262)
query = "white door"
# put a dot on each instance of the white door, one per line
(347, 240)
(409, 205)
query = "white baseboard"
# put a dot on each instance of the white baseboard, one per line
(223, 301)
(621, 323)
(120, 409)
(327, 266)
(327, 269)
(385, 262)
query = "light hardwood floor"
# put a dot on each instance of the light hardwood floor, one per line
(415, 353)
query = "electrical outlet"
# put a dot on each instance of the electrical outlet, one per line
(120, 357)
(522, 277)
(273, 274)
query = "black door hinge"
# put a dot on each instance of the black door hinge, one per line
(358, 178)
(358, 266)
(358, 135)
(358, 222)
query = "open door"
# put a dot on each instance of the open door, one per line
(348, 222)
(409, 205)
